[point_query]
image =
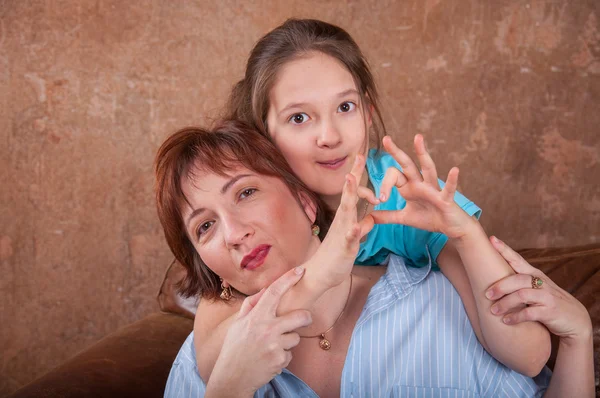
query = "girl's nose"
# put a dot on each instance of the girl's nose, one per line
(329, 136)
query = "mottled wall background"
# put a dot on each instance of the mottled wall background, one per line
(509, 90)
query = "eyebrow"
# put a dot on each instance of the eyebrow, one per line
(301, 104)
(224, 190)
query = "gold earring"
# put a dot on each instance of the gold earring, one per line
(315, 230)
(225, 293)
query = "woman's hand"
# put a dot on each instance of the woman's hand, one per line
(335, 256)
(518, 302)
(257, 345)
(427, 206)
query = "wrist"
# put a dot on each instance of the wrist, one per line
(305, 293)
(469, 233)
(583, 340)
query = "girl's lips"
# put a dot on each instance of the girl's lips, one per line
(255, 258)
(333, 164)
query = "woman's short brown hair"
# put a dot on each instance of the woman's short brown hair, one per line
(249, 99)
(217, 150)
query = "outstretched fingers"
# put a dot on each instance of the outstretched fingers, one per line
(451, 185)
(409, 168)
(428, 168)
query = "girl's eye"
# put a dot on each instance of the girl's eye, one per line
(298, 118)
(203, 228)
(346, 107)
(247, 192)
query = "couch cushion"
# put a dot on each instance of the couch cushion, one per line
(132, 362)
(169, 298)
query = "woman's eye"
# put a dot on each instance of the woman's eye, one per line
(203, 228)
(247, 192)
(299, 118)
(346, 107)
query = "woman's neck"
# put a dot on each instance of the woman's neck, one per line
(328, 309)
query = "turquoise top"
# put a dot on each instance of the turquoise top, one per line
(415, 245)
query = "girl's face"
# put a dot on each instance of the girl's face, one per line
(247, 228)
(315, 118)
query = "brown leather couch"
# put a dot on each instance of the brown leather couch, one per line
(135, 361)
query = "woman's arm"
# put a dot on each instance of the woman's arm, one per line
(560, 312)
(468, 260)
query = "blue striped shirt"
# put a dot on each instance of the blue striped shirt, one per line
(412, 339)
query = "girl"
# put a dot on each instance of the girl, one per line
(308, 88)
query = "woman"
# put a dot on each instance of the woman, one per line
(232, 209)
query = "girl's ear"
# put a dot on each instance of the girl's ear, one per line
(309, 206)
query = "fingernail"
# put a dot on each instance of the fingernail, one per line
(489, 294)
(382, 197)
(494, 309)
(507, 320)
(299, 270)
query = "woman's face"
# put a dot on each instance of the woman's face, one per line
(247, 228)
(315, 119)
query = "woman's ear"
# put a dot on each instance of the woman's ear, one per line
(309, 206)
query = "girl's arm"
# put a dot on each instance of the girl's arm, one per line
(468, 260)
(560, 312)
(472, 265)
(328, 267)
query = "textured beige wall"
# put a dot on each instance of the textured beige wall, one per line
(508, 90)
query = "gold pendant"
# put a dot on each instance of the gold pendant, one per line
(324, 343)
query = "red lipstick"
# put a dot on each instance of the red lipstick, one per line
(255, 258)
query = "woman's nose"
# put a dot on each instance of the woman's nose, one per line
(236, 231)
(329, 135)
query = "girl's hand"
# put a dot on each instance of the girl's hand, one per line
(427, 207)
(518, 302)
(336, 254)
(256, 347)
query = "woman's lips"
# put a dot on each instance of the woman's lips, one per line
(333, 164)
(255, 258)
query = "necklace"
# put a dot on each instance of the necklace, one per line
(323, 342)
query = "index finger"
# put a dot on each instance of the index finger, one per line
(358, 167)
(427, 164)
(409, 168)
(514, 259)
(272, 295)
